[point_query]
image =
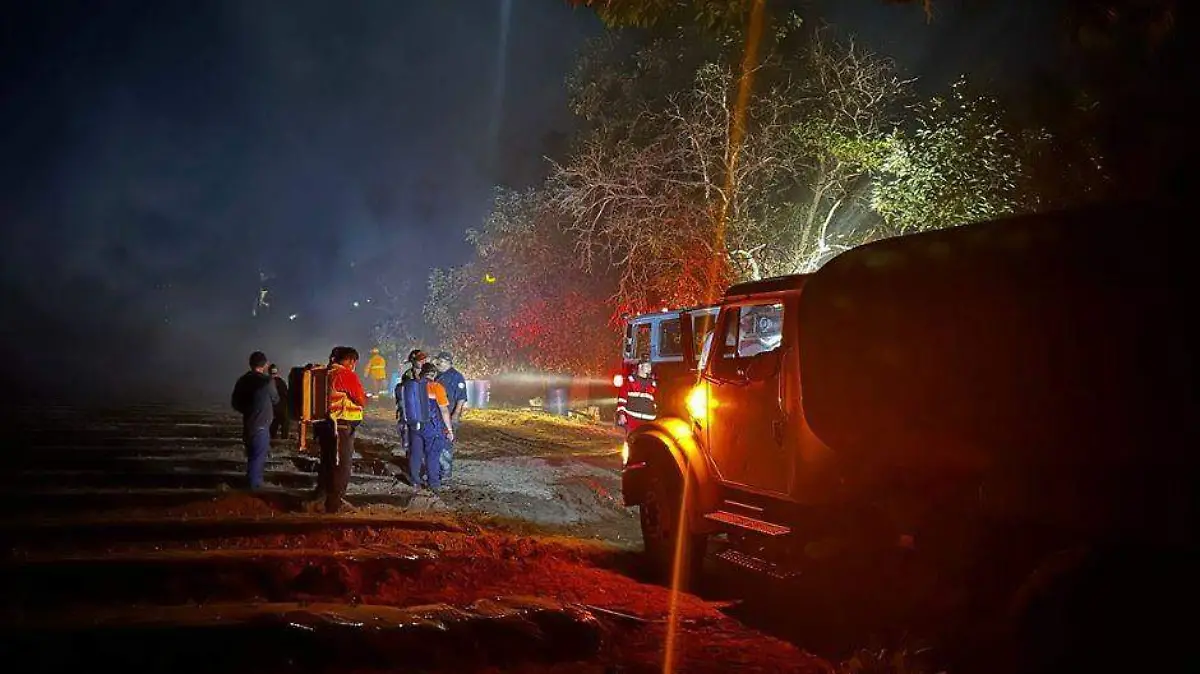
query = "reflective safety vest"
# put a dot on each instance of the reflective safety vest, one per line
(344, 389)
(636, 398)
(377, 367)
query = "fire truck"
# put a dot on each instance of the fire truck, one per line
(674, 342)
(1008, 402)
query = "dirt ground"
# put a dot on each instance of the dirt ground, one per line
(528, 470)
(129, 538)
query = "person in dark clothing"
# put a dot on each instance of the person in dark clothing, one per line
(347, 398)
(255, 397)
(456, 391)
(279, 425)
(416, 360)
(428, 438)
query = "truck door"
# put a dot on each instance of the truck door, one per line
(670, 366)
(747, 430)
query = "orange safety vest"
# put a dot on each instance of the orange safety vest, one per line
(341, 407)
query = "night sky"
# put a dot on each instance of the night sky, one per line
(158, 157)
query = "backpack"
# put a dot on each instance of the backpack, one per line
(414, 402)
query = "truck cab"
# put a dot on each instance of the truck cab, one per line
(748, 397)
(738, 430)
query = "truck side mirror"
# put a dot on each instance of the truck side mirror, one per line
(762, 366)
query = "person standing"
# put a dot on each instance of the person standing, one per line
(336, 433)
(428, 427)
(416, 359)
(635, 400)
(456, 392)
(255, 396)
(377, 373)
(279, 425)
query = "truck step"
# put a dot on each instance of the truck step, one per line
(757, 565)
(751, 523)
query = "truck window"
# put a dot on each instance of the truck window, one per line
(641, 340)
(702, 327)
(749, 331)
(670, 338)
(627, 347)
(760, 329)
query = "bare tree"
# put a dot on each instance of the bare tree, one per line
(667, 186)
(856, 98)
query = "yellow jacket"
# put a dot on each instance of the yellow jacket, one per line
(377, 367)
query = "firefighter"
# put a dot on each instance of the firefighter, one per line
(427, 415)
(416, 359)
(255, 397)
(635, 401)
(279, 425)
(377, 373)
(336, 434)
(456, 390)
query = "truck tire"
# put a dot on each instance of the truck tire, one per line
(660, 520)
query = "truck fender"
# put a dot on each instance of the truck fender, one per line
(670, 443)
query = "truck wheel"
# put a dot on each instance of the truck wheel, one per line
(660, 522)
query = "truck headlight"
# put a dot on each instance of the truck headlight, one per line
(698, 403)
(624, 453)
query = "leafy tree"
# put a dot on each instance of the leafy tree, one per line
(958, 165)
(967, 160)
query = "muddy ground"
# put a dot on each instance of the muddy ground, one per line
(526, 469)
(129, 543)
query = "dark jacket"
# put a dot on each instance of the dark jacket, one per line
(281, 407)
(407, 375)
(255, 397)
(456, 386)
